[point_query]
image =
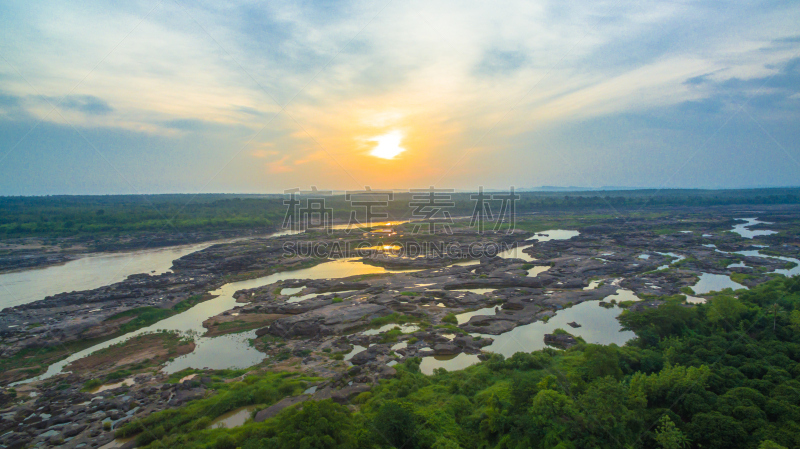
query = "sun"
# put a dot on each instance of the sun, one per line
(388, 145)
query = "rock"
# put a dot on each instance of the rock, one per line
(276, 408)
(347, 393)
(385, 372)
(489, 324)
(446, 349)
(71, 431)
(183, 396)
(363, 358)
(560, 340)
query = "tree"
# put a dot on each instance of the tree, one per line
(551, 415)
(716, 431)
(669, 436)
(602, 361)
(395, 424)
(767, 444)
(319, 425)
(725, 310)
(794, 320)
(774, 310)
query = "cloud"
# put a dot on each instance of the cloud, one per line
(279, 166)
(88, 104)
(186, 124)
(499, 62)
(469, 84)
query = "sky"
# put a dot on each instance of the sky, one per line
(173, 96)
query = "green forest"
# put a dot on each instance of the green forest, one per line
(718, 375)
(64, 216)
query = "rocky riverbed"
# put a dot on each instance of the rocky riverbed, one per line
(350, 330)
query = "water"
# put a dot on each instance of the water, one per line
(467, 263)
(789, 272)
(677, 256)
(533, 272)
(598, 325)
(621, 295)
(479, 291)
(356, 349)
(106, 387)
(593, 284)
(93, 271)
(87, 273)
(784, 271)
(216, 352)
(289, 291)
(516, 253)
(555, 234)
(226, 351)
(448, 362)
(714, 282)
(464, 317)
(405, 328)
(233, 418)
(742, 230)
(302, 298)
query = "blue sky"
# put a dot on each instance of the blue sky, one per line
(172, 96)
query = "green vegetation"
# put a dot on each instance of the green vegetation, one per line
(450, 318)
(147, 316)
(31, 362)
(396, 318)
(142, 317)
(190, 302)
(739, 278)
(181, 426)
(719, 375)
(114, 215)
(391, 335)
(91, 384)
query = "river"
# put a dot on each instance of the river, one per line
(226, 351)
(93, 271)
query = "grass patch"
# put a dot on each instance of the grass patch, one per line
(450, 318)
(396, 318)
(739, 278)
(190, 302)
